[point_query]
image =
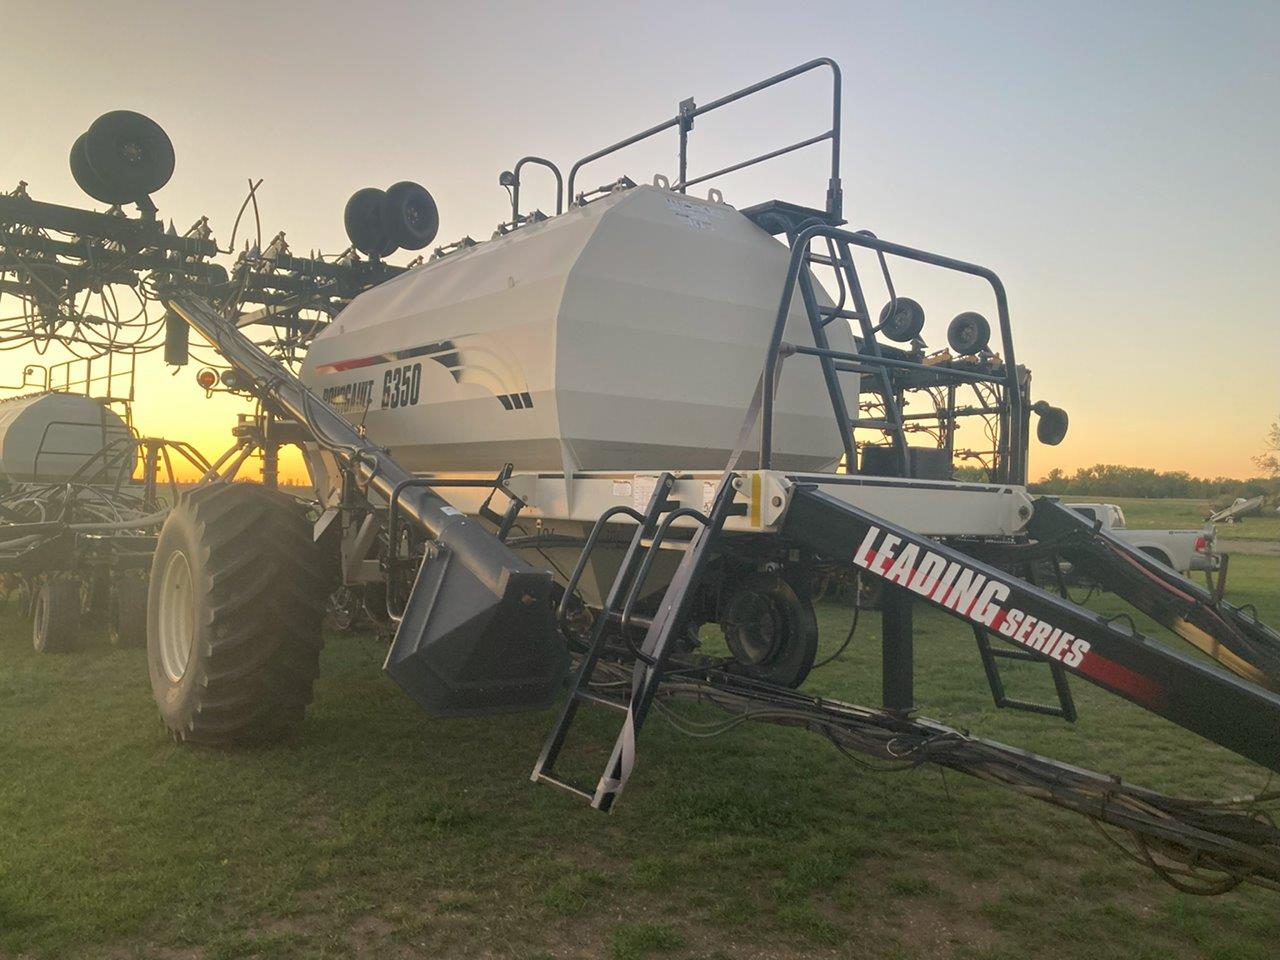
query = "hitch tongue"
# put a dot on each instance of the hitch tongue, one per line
(464, 647)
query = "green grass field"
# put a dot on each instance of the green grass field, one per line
(380, 832)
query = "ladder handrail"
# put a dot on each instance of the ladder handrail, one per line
(1012, 452)
(562, 610)
(633, 595)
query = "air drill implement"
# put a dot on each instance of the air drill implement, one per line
(550, 460)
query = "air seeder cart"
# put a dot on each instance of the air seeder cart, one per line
(76, 528)
(560, 457)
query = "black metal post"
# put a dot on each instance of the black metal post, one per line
(149, 464)
(897, 682)
(270, 455)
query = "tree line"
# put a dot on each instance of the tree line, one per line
(1121, 481)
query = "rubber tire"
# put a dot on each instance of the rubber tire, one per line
(790, 662)
(968, 333)
(259, 585)
(129, 154)
(906, 321)
(410, 218)
(1159, 556)
(85, 178)
(55, 621)
(127, 625)
(362, 218)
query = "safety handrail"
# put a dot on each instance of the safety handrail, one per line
(562, 610)
(659, 535)
(1012, 462)
(515, 185)
(41, 385)
(103, 427)
(689, 111)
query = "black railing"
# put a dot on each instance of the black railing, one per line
(109, 434)
(689, 111)
(512, 180)
(1010, 464)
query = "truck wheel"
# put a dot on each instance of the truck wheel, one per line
(56, 618)
(1159, 556)
(771, 630)
(127, 623)
(234, 612)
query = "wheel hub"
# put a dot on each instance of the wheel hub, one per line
(176, 617)
(754, 628)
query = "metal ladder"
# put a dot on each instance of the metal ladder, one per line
(1066, 708)
(991, 655)
(840, 259)
(661, 631)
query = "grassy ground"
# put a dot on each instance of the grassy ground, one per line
(1173, 514)
(379, 832)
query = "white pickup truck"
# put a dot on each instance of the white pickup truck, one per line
(1184, 550)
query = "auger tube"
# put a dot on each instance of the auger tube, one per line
(477, 634)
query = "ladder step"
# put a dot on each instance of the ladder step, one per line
(840, 313)
(1027, 706)
(564, 785)
(643, 623)
(1066, 708)
(596, 698)
(667, 544)
(1010, 653)
(827, 261)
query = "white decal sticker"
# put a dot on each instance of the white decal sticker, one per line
(642, 491)
(622, 488)
(699, 216)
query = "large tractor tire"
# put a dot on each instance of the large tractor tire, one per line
(234, 615)
(55, 626)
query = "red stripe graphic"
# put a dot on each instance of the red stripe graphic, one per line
(1120, 678)
(340, 365)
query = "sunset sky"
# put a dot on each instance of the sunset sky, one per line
(1117, 164)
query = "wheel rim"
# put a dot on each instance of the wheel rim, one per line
(754, 630)
(176, 619)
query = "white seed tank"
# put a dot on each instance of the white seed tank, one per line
(49, 436)
(627, 334)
